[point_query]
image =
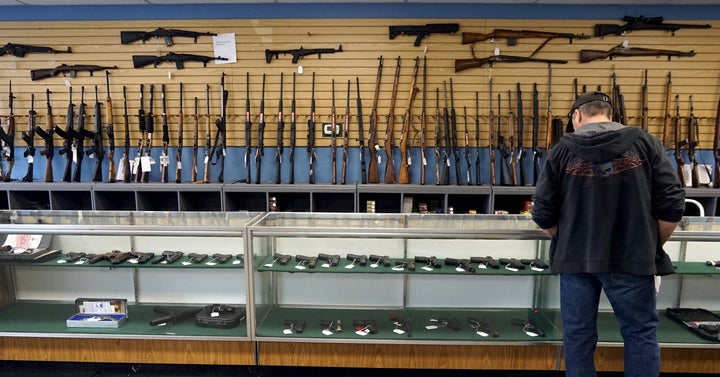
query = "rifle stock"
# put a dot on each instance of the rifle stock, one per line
(389, 131)
(620, 51)
(404, 173)
(373, 147)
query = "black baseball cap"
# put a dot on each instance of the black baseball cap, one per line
(589, 97)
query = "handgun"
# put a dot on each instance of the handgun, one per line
(462, 264)
(378, 260)
(168, 257)
(401, 265)
(483, 327)
(294, 326)
(485, 261)
(536, 263)
(332, 260)
(356, 259)
(511, 264)
(449, 322)
(140, 258)
(364, 326)
(430, 261)
(305, 261)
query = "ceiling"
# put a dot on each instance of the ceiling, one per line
(165, 2)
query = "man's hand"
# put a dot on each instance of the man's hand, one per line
(551, 231)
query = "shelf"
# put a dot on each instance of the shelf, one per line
(180, 263)
(48, 320)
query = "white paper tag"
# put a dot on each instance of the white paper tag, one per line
(327, 332)
(427, 268)
(399, 331)
(164, 160)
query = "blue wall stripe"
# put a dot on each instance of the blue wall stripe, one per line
(351, 10)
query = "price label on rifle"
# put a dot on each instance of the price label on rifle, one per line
(146, 162)
(164, 160)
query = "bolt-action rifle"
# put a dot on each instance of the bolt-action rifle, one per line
(299, 53)
(333, 136)
(29, 138)
(438, 137)
(280, 129)
(692, 145)
(68, 135)
(390, 130)
(47, 136)
(19, 50)
(373, 147)
(511, 139)
(293, 130)
(259, 151)
(96, 149)
(643, 23)
(178, 153)
(125, 160)
(535, 129)
(8, 139)
(622, 51)
(512, 37)
(164, 158)
(465, 64)
(110, 129)
(468, 161)
(167, 35)
(668, 116)
(311, 135)
(422, 31)
(505, 152)
(248, 131)
(361, 140)
(72, 70)
(405, 162)
(346, 138)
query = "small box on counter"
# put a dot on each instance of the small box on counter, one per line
(99, 312)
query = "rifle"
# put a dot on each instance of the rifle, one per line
(692, 145)
(520, 130)
(422, 31)
(208, 152)
(445, 175)
(142, 128)
(196, 130)
(679, 144)
(438, 137)
(465, 64)
(644, 104)
(29, 138)
(127, 37)
(642, 23)
(178, 153)
(333, 136)
(164, 159)
(668, 116)
(110, 130)
(49, 151)
(293, 128)
(511, 137)
(491, 122)
(622, 51)
(361, 141)
(405, 162)
(281, 126)
(72, 70)
(221, 135)
(513, 35)
(8, 139)
(618, 101)
(389, 131)
(346, 138)
(299, 53)
(68, 135)
(423, 124)
(149, 128)
(261, 131)
(125, 160)
(373, 147)
(80, 136)
(535, 129)
(716, 149)
(96, 150)
(477, 140)
(454, 140)
(505, 179)
(554, 125)
(19, 50)
(467, 147)
(311, 134)
(248, 130)
(140, 61)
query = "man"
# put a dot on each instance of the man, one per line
(609, 198)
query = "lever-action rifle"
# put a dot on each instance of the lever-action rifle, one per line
(513, 35)
(299, 53)
(8, 139)
(140, 61)
(622, 51)
(280, 129)
(390, 130)
(72, 70)
(465, 64)
(373, 147)
(29, 138)
(643, 23)
(164, 159)
(422, 31)
(110, 131)
(49, 151)
(96, 149)
(259, 151)
(19, 50)
(178, 152)
(68, 135)
(166, 34)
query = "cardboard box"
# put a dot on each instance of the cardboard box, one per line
(99, 312)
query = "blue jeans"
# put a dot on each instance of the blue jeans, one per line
(633, 299)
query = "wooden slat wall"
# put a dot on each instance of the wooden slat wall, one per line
(363, 41)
